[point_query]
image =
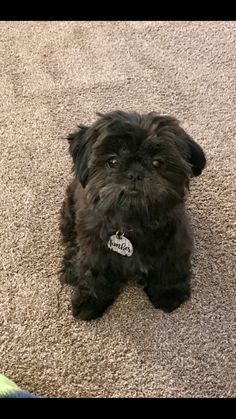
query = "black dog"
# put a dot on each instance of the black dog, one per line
(124, 217)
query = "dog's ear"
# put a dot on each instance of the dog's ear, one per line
(191, 151)
(187, 147)
(79, 149)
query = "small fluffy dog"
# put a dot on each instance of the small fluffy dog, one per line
(123, 217)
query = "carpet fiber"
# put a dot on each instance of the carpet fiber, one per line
(55, 75)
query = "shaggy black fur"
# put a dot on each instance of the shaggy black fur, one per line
(131, 175)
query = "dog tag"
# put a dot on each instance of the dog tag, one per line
(120, 244)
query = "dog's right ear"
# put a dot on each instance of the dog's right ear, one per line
(79, 149)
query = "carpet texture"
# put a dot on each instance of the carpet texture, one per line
(54, 75)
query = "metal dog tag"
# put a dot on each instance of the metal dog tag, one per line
(120, 244)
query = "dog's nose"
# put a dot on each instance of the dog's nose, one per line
(135, 175)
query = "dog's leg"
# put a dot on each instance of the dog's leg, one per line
(68, 235)
(170, 286)
(67, 219)
(93, 294)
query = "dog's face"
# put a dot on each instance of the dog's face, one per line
(131, 163)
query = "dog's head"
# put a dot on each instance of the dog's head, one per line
(138, 163)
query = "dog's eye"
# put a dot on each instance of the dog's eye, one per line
(112, 162)
(157, 163)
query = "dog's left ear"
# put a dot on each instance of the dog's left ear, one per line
(190, 150)
(79, 149)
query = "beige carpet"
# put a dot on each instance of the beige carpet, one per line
(54, 75)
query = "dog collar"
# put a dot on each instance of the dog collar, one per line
(120, 244)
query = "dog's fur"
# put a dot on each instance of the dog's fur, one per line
(132, 172)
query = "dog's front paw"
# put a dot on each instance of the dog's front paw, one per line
(87, 309)
(169, 300)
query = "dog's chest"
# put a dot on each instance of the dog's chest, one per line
(136, 260)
